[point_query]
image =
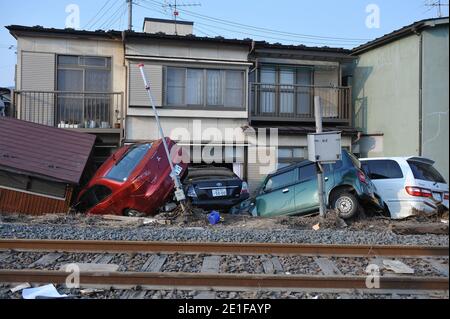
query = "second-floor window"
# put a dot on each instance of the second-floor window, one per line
(82, 84)
(192, 87)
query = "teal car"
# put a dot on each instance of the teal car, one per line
(293, 190)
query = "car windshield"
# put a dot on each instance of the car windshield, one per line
(425, 172)
(125, 166)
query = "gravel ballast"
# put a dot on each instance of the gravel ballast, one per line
(216, 234)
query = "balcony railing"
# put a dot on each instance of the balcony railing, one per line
(71, 110)
(270, 102)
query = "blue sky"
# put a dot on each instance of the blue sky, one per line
(313, 22)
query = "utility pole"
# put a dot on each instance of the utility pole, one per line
(439, 5)
(320, 181)
(130, 15)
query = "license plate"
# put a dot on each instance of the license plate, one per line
(219, 192)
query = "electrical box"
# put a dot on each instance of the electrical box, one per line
(324, 147)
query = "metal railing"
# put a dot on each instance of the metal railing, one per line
(279, 102)
(91, 110)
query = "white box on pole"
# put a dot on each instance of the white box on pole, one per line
(324, 147)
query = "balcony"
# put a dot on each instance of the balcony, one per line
(91, 112)
(295, 103)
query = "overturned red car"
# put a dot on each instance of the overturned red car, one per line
(135, 180)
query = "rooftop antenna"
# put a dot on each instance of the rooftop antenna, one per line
(438, 4)
(174, 7)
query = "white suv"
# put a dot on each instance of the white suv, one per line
(407, 185)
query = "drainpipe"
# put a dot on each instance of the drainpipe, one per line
(125, 99)
(420, 34)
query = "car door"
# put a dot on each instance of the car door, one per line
(306, 194)
(389, 180)
(278, 194)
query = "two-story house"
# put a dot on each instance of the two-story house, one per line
(215, 96)
(283, 83)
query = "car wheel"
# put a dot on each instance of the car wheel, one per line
(346, 204)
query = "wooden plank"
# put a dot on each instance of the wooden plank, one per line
(328, 267)
(211, 265)
(155, 264)
(439, 267)
(46, 260)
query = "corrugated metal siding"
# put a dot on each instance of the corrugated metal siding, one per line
(43, 151)
(38, 74)
(19, 202)
(137, 92)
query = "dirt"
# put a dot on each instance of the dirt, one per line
(199, 218)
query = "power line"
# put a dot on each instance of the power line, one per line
(263, 36)
(114, 17)
(98, 12)
(254, 28)
(99, 19)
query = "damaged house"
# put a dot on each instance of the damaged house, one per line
(40, 166)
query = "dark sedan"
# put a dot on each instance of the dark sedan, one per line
(212, 187)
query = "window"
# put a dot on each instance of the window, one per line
(290, 155)
(81, 74)
(308, 172)
(96, 194)
(425, 172)
(287, 89)
(125, 166)
(32, 184)
(281, 180)
(382, 169)
(204, 87)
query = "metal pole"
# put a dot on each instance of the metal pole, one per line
(320, 180)
(130, 15)
(176, 179)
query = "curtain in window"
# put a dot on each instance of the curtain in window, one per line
(175, 86)
(194, 87)
(304, 91)
(287, 80)
(214, 87)
(70, 106)
(234, 91)
(267, 90)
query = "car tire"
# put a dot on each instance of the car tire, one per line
(346, 204)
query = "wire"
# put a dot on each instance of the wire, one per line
(98, 12)
(99, 19)
(263, 36)
(254, 28)
(114, 17)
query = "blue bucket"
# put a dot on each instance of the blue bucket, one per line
(214, 217)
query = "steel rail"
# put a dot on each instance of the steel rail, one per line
(220, 248)
(224, 280)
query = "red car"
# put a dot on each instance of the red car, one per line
(135, 180)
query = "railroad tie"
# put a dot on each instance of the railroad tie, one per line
(154, 263)
(211, 265)
(328, 267)
(46, 260)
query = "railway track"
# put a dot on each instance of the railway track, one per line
(323, 256)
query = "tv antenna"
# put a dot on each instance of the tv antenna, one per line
(174, 8)
(437, 4)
